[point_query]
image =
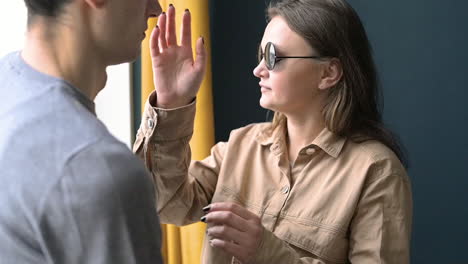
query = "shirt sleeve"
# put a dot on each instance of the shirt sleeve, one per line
(101, 210)
(381, 226)
(183, 187)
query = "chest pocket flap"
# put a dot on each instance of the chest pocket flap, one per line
(326, 243)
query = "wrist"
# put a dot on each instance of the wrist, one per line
(164, 103)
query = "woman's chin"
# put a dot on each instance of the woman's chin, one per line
(267, 105)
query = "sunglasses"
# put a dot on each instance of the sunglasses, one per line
(270, 56)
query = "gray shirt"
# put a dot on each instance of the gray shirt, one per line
(69, 191)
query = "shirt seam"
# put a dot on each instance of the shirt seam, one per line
(62, 175)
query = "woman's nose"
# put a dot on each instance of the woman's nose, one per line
(260, 70)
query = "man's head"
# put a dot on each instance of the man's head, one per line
(49, 8)
(112, 30)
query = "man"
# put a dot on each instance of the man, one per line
(70, 192)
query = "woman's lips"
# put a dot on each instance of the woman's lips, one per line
(262, 86)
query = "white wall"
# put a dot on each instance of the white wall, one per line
(12, 25)
(113, 105)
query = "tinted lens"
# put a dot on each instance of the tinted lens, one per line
(270, 56)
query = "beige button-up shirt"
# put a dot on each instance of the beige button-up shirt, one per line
(341, 202)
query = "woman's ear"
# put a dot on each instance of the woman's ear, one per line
(331, 74)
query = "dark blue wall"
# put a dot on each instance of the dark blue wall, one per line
(421, 49)
(237, 29)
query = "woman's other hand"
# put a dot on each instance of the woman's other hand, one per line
(234, 229)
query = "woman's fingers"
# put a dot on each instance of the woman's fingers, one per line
(225, 232)
(162, 21)
(163, 38)
(233, 215)
(234, 208)
(154, 42)
(226, 218)
(186, 30)
(171, 37)
(234, 229)
(231, 248)
(167, 33)
(200, 60)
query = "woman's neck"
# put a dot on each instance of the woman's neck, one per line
(301, 131)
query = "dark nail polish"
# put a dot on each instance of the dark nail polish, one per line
(171, 5)
(157, 26)
(163, 13)
(203, 219)
(206, 208)
(186, 10)
(203, 40)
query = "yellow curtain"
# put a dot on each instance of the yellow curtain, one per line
(182, 245)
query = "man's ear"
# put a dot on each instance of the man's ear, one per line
(331, 74)
(96, 3)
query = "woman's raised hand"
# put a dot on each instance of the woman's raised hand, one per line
(177, 76)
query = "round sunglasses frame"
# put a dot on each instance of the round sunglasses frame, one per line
(272, 59)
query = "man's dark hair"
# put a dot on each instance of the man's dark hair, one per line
(48, 8)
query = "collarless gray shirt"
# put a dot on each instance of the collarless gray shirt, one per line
(69, 191)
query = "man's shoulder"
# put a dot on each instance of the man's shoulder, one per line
(105, 151)
(107, 165)
(103, 193)
(103, 176)
(7, 59)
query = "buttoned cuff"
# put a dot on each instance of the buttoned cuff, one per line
(167, 124)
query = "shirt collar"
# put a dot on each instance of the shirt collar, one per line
(269, 134)
(331, 143)
(328, 141)
(49, 80)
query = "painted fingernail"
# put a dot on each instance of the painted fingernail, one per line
(157, 26)
(171, 5)
(163, 13)
(203, 40)
(206, 208)
(203, 219)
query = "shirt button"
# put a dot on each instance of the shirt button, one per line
(150, 123)
(310, 151)
(285, 189)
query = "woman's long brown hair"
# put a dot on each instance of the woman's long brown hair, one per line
(333, 28)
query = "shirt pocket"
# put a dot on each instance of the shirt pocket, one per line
(317, 240)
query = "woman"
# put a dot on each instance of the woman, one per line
(322, 183)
